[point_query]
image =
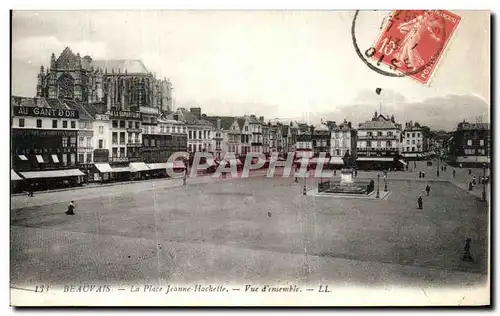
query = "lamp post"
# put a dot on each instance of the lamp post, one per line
(378, 185)
(484, 182)
(385, 183)
(439, 156)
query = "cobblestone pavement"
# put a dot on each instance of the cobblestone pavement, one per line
(256, 229)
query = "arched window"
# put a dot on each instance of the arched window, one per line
(66, 86)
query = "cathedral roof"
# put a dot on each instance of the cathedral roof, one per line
(134, 66)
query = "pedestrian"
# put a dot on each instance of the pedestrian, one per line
(454, 173)
(471, 186)
(423, 174)
(467, 255)
(71, 209)
(428, 189)
(470, 172)
(355, 172)
(420, 202)
(30, 190)
(445, 168)
(474, 180)
(420, 174)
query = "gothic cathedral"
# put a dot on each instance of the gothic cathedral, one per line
(124, 85)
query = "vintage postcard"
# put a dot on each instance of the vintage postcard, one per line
(250, 158)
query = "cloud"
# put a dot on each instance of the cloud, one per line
(38, 49)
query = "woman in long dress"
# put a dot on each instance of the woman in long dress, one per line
(407, 53)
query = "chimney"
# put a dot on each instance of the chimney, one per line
(261, 118)
(176, 116)
(196, 112)
(349, 124)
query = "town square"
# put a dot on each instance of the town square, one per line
(216, 159)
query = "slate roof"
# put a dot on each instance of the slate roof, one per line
(253, 120)
(225, 121)
(189, 118)
(379, 124)
(241, 122)
(82, 111)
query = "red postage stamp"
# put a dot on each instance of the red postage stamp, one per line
(413, 41)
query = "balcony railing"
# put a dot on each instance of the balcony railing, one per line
(119, 159)
(377, 137)
(134, 144)
(134, 130)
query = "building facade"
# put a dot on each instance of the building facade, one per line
(321, 139)
(378, 143)
(343, 139)
(44, 143)
(414, 142)
(200, 131)
(471, 144)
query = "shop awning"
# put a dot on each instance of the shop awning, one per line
(120, 169)
(157, 166)
(103, 167)
(23, 157)
(138, 166)
(336, 161)
(401, 161)
(52, 174)
(39, 158)
(55, 159)
(14, 176)
(375, 159)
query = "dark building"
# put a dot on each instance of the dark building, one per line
(44, 142)
(321, 140)
(470, 144)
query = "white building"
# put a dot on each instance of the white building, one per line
(414, 141)
(200, 131)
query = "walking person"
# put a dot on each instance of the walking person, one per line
(445, 168)
(30, 190)
(428, 189)
(71, 209)
(454, 173)
(420, 202)
(467, 255)
(474, 180)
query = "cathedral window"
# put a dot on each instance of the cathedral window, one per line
(66, 86)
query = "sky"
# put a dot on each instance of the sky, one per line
(286, 64)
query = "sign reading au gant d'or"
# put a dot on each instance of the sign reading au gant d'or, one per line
(45, 112)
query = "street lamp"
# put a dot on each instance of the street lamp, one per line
(484, 182)
(437, 173)
(378, 182)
